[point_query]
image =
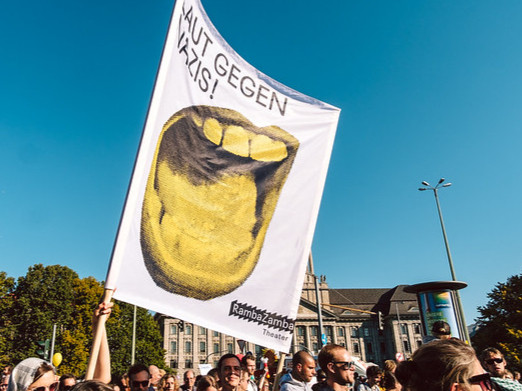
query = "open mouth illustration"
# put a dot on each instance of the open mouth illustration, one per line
(212, 189)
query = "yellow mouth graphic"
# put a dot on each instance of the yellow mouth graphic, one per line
(211, 193)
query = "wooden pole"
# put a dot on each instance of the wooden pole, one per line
(98, 334)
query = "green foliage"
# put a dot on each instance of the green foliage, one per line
(149, 348)
(56, 295)
(6, 325)
(500, 321)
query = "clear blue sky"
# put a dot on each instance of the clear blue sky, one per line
(427, 90)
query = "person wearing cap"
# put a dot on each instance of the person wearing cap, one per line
(439, 330)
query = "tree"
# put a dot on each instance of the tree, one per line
(6, 325)
(49, 295)
(43, 297)
(149, 347)
(500, 321)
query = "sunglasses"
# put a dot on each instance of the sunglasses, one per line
(497, 360)
(483, 380)
(345, 364)
(52, 387)
(143, 383)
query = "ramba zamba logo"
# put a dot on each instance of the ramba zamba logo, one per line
(212, 189)
(261, 317)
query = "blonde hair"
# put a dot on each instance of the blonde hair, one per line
(437, 365)
(163, 381)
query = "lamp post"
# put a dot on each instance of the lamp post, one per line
(453, 276)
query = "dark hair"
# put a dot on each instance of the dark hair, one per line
(435, 366)
(441, 328)
(489, 351)
(92, 385)
(373, 370)
(205, 382)
(137, 368)
(300, 357)
(224, 357)
(214, 373)
(42, 370)
(389, 381)
(64, 377)
(326, 355)
(246, 357)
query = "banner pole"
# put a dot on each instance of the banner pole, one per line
(97, 339)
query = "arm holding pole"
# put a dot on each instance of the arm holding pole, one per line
(99, 366)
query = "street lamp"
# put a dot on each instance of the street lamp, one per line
(453, 276)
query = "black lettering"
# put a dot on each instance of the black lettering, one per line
(221, 71)
(188, 18)
(232, 75)
(184, 50)
(246, 90)
(259, 94)
(274, 99)
(207, 41)
(193, 61)
(205, 77)
(196, 41)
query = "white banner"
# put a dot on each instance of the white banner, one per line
(222, 205)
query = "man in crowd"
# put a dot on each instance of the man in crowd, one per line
(189, 380)
(248, 365)
(336, 363)
(374, 375)
(139, 377)
(493, 361)
(229, 369)
(303, 371)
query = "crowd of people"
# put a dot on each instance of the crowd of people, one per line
(442, 364)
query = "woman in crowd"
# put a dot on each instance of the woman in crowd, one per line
(168, 383)
(206, 383)
(443, 365)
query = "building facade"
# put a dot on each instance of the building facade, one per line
(349, 317)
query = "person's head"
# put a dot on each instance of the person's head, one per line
(248, 363)
(229, 369)
(33, 374)
(390, 382)
(7, 370)
(320, 376)
(155, 374)
(67, 382)
(337, 364)
(243, 381)
(189, 378)
(215, 374)
(92, 385)
(206, 383)
(374, 375)
(443, 365)
(139, 377)
(516, 375)
(168, 383)
(390, 366)
(493, 361)
(303, 366)
(441, 330)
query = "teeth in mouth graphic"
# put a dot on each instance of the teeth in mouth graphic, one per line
(213, 187)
